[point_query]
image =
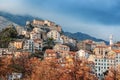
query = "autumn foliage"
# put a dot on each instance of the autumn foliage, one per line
(36, 69)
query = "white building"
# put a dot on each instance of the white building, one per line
(5, 52)
(29, 45)
(105, 63)
(102, 65)
(34, 35)
(54, 34)
(38, 33)
(15, 76)
(38, 44)
(20, 30)
(82, 54)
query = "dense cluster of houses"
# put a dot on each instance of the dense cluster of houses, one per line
(37, 32)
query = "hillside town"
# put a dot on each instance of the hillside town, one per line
(44, 41)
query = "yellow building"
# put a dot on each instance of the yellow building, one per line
(100, 50)
(18, 44)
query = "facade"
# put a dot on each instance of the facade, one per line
(100, 51)
(65, 39)
(102, 65)
(72, 41)
(19, 30)
(18, 44)
(58, 28)
(46, 24)
(100, 43)
(5, 52)
(15, 76)
(61, 48)
(38, 44)
(43, 22)
(85, 45)
(54, 34)
(38, 22)
(111, 60)
(82, 54)
(50, 54)
(29, 45)
(34, 35)
(38, 33)
(25, 33)
(49, 23)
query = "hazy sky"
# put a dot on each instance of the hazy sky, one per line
(99, 18)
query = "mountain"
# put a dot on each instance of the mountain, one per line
(8, 18)
(81, 36)
(18, 19)
(4, 22)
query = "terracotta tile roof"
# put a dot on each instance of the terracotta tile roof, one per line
(50, 51)
(101, 46)
(117, 51)
(37, 40)
(72, 53)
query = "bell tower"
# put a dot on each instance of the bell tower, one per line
(111, 39)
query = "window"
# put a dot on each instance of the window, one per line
(95, 59)
(99, 60)
(104, 60)
(104, 67)
(116, 60)
(116, 56)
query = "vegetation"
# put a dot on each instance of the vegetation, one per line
(35, 69)
(48, 44)
(113, 74)
(6, 35)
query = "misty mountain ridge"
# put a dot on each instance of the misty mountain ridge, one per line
(18, 19)
(8, 18)
(82, 36)
(4, 22)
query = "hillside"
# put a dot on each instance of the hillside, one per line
(4, 22)
(8, 18)
(18, 19)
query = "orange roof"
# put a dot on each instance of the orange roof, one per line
(72, 53)
(37, 40)
(49, 51)
(117, 51)
(101, 46)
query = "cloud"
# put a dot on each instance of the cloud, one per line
(99, 18)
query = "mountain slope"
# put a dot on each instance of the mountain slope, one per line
(8, 18)
(81, 36)
(18, 19)
(4, 22)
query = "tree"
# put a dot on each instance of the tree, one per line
(6, 35)
(4, 67)
(49, 43)
(33, 68)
